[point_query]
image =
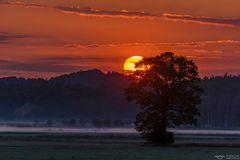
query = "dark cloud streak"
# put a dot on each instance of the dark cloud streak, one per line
(40, 67)
(92, 12)
(50, 64)
(27, 5)
(36, 67)
(107, 13)
(68, 58)
(6, 38)
(138, 44)
(227, 22)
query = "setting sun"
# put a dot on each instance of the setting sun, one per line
(129, 64)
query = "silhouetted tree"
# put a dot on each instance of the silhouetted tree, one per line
(64, 122)
(81, 122)
(72, 122)
(49, 123)
(118, 123)
(166, 88)
(107, 123)
(97, 123)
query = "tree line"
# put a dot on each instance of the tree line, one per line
(96, 95)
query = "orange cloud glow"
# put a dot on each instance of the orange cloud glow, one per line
(47, 38)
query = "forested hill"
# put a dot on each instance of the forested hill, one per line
(85, 94)
(96, 95)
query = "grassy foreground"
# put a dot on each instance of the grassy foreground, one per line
(75, 146)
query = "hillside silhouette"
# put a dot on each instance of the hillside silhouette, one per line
(85, 94)
(93, 94)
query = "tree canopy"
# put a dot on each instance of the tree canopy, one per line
(167, 89)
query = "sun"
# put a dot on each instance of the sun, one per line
(129, 64)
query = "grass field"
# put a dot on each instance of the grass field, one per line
(118, 146)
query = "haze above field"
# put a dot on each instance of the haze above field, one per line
(40, 38)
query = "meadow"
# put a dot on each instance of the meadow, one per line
(112, 146)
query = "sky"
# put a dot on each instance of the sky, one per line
(45, 38)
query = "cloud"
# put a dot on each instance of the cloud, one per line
(229, 41)
(4, 62)
(40, 67)
(87, 11)
(57, 64)
(20, 4)
(5, 38)
(226, 22)
(90, 12)
(36, 66)
(61, 59)
(138, 44)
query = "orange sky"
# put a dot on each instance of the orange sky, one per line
(39, 38)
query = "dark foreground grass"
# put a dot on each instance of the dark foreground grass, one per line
(66, 146)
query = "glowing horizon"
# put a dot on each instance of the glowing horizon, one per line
(45, 39)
